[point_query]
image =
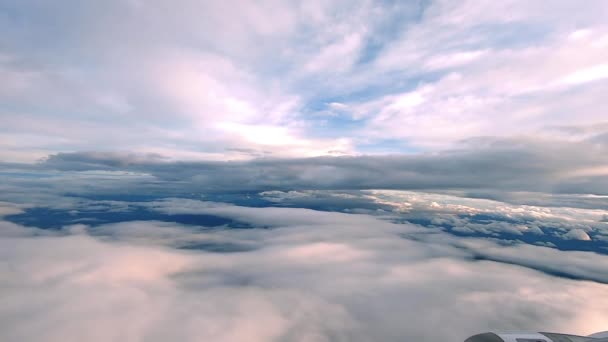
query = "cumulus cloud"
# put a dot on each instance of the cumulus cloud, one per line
(311, 276)
(577, 234)
(491, 217)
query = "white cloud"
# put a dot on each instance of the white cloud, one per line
(428, 75)
(455, 212)
(175, 93)
(454, 59)
(577, 234)
(490, 86)
(7, 208)
(338, 56)
(594, 73)
(313, 276)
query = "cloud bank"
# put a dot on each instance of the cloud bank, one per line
(489, 164)
(305, 276)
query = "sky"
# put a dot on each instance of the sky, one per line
(211, 80)
(302, 170)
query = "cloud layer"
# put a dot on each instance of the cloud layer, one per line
(485, 164)
(131, 247)
(305, 276)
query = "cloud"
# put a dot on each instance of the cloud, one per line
(474, 45)
(7, 208)
(178, 93)
(312, 276)
(491, 217)
(591, 74)
(490, 164)
(577, 234)
(505, 200)
(179, 83)
(168, 170)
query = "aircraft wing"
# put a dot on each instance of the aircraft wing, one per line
(537, 337)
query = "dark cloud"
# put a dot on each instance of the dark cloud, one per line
(487, 164)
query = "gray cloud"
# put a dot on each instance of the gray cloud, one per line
(488, 164)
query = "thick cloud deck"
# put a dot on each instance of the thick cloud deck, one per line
(301, 275)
